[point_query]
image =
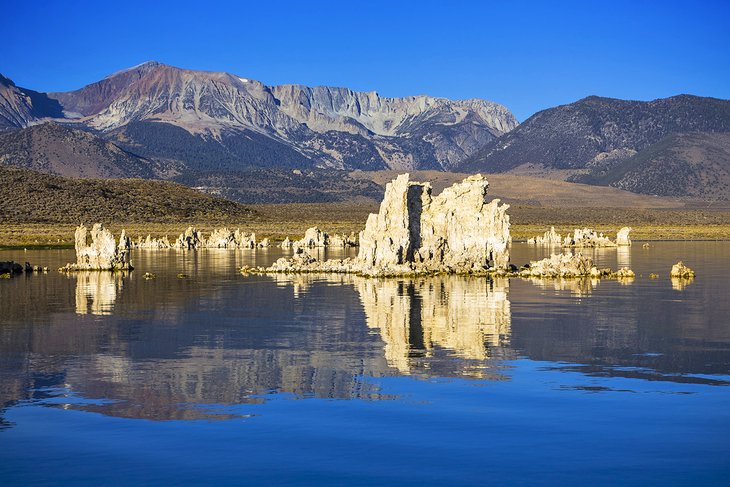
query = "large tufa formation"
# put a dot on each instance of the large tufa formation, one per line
(456, 231)
(98, 251)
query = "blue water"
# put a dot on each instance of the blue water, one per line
(220, 379)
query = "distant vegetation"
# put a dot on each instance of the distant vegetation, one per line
(32, 197)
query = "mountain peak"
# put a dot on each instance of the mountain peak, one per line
(142, 67)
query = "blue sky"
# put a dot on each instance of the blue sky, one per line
(527, 55)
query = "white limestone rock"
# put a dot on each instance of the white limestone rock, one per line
(550, 238)
(456, 231)
(562, 265)
(286, 243)
(682, 271)
(587, 237)
(342, 240)
(313, 237)
(190, 239)
(622, 238)
(98, 251)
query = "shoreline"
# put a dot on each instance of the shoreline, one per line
(46, 237)
(291, 220)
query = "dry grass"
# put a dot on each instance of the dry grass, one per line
(279, 221)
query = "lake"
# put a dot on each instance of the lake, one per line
(205, 376)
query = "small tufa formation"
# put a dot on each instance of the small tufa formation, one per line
(190, 239)
(548, 239)
(286, 243)
(222, 238)
(152, 243)
(587, 238)
(562, 265)
(569, 265)
(313, 237)
(342, 240)
(101, 253)
(681, 271)
(9, 269)
(622, 237)
(590, 238)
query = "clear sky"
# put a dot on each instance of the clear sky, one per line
(526, 55)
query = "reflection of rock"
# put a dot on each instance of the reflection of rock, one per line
(578, 287)
(460, 315)
(623, 256)
(101, 252)
(96, 292)
(679, 283)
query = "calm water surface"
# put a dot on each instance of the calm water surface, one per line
(214, 378)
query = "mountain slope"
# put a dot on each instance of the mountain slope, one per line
(65, 151)
(19, 107)
(28, 196)
(692, 165)
(326, 127)
(596, 133)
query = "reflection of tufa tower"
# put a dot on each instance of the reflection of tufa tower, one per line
(96, 292)
(464, 316)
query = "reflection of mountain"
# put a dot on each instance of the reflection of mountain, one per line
(96, 292)
(462, 316)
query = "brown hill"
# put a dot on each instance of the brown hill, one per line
(532, 191)
(33, 197)
(695, 165)
(65, 151)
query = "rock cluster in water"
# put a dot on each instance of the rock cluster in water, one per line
(315, 238)
(193, 239)
(681, 271)
(98, 251)
(550, 238)
(9, 268)
(457, 231)
(585, 237)
(569, 265)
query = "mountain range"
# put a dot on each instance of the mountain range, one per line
(670, 147)
(223, 132)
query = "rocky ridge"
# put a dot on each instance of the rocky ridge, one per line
(246, 121)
